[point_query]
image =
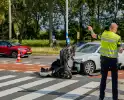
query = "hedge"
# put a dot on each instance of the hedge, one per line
(42, 43)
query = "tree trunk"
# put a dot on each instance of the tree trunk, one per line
(21, 33)
(98, 7)
(116, 5)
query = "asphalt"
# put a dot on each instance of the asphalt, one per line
(20, 85)
(46, 60)
(14, 86)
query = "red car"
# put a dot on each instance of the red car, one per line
(11, 49)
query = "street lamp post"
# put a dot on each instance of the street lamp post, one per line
(67, 39)
(10, 21)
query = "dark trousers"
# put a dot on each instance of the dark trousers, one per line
(106, 65)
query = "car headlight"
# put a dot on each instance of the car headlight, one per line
(79, 60)
(21, 49)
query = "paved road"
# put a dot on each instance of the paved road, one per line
(47, 60)
(33, 64)
(18, 86)
(22, 82)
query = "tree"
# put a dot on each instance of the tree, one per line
(3, 9)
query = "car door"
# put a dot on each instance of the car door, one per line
(96, 58)
(1, 47)
(4, 47)
(121, 56)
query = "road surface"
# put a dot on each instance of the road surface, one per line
(22, 82)
(47, 60)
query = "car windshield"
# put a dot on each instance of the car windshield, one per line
(15, 44)
(88, 48)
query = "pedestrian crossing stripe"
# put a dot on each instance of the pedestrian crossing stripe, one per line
(47, 90)
(54, 86)
(79, 91)
(6, 77)
(25, 86)
(15, 81)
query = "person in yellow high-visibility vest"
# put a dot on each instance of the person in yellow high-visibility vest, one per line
(110, 46)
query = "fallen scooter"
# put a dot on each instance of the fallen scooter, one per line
(64, 66)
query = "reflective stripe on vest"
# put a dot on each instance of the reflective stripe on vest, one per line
(115, 55)
(108, 40)
(108, 50)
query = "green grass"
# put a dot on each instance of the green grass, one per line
(45, 50)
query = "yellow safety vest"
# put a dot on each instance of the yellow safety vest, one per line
(110, 42)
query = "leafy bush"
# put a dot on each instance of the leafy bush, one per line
(42, 43)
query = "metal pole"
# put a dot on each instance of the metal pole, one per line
(10, 21)
(67, 40)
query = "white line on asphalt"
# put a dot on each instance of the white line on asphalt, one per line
(4, 62)
(41, 65)
(6, 77)
(46, 90)
(25, 86)
(18, 63)
(28, 64)
(79, 91)
(13, 70)
(78, 75)
(2, 69)
(15, 81)
(29, 71)
(36, 63)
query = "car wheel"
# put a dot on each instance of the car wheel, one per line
(89, 67)
(14, 54)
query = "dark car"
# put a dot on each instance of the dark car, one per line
(11, 49)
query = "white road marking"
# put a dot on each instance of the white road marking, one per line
(15, 81)
(13, 70)
(46, 90)
(18, 63)
(28, 64)
(2, 69)
(79, 91)
(78, 75)
(29, 71)
(36, 63)
(6, 77)
(25, 86)
(41, 65)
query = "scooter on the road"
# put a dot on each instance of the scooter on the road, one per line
(63, 67)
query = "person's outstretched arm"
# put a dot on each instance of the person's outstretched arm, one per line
(93, 34)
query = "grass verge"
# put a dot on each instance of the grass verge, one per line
(45, 50)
